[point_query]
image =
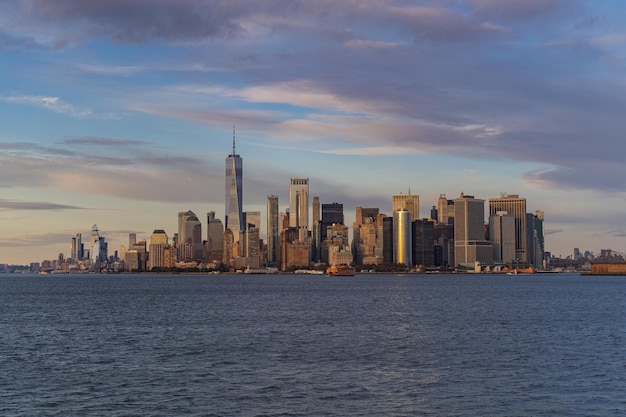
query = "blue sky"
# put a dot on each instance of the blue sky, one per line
(120, 113)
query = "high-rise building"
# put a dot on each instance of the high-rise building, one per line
(423, 242)
(539, 240)
(99, 250)
(227, 250)
(402, 253)
(409, 201)
(365, 236)
(514, 205)
(316, 210)
(332, 214)
(215, 237)
(77, 248)
(158, 245)
(388, 240)
(316, 230)
(502, 236)
(445, 210)
(299, 203)
(190, 233)
(234, 193)
(469, 231)
(272, 228)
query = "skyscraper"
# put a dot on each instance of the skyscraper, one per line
(514, 205)
(299, 203)
(539, 241)
(234, 193)
(158, 244)
(402, 253)
(190, 233)
(469, 231)
(215, 237)
(409, 201)
(502, 235)
(272, 228)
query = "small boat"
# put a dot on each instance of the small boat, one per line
(340, 271)
(308, 272)
(266, 270)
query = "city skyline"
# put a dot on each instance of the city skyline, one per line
(120, 114)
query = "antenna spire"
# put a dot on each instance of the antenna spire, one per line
(233, 140)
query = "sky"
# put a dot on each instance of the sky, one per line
(120, 113)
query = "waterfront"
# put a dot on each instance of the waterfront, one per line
(455, 345)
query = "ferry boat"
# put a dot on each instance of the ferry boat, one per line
(340, 271)
(516, 271)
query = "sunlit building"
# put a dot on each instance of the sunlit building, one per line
(402, 253)
(514, 205)
(233, 219)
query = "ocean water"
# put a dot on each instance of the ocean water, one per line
(369, 345)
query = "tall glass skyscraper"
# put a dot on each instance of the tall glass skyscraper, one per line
(299, 203)
(234, 192)
(272, 228)
(514, 205)
(402, 253)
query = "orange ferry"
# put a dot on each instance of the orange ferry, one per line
(340, 271)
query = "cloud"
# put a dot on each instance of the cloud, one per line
(133, 21)
(34, 240)
(369, 44)
(35, 205)
(9, 42)
(155, 174)
(518, 9)
(104, 142)
(56, 105)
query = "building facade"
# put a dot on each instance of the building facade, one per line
(514, 205)
(403, 252)
(470, 245)
(410, 202)
(233, 218)
(272, 229)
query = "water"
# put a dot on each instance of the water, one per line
(373, 345)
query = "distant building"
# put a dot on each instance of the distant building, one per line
(272, 228)
(190, 232)
(502, 235)
(233, 218)
(469, 232)
(445, 210)
(157, 248)
(215, 238)
(410, 202)
(402, 237)
(299, 203)
(423, 244)
(514, 205)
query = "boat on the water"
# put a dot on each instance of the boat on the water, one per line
(516, 271)
(308, 272)
(266, 270)
(340, 271)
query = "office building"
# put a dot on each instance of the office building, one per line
(539, 260)
(410, 202)
(470, 245)
(299, 203)
(402, 253)
(423, 242)
(190, 233)
(233, 218)
(502, 236)
(272, 229)
(514, 205)
(215, 238)
(158, 245)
